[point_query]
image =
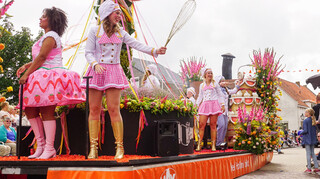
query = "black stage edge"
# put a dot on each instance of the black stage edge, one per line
(40, 167)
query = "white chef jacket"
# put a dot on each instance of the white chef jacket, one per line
(210, 94)
(109, 53)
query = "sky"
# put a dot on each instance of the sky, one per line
(290, 27)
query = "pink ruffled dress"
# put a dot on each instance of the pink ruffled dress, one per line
(52, 84)
(211, 99)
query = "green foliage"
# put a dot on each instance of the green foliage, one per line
(17, 52)
(124, 61)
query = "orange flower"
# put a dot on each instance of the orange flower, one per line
(274, 142)
(1, 60)
(2, 99)
(239, 143)
(249, 142)
(2, 46)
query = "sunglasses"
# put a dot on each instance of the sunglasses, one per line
(8, 121)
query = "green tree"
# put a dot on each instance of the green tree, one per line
(17, 52)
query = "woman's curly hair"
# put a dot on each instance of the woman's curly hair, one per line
(57, 18)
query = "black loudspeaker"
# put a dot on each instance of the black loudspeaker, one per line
(167, 143)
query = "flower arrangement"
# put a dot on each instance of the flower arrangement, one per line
(267, 70)
(190, 69)
(253, 133)
(157, 102)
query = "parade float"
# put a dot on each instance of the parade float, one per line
(158, 138)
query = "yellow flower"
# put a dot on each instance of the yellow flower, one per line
(121, 106)
(1, 60)
(9, 89)
(262, 86)
(245, 124)
(2, 46)
(1, 69)
(161, 106)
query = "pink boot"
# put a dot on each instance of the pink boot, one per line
(50, 130)
(37, 127)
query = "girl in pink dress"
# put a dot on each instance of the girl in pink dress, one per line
(211, 104)
(47, 83)
(103, 54)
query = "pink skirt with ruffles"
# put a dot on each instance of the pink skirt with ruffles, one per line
(112, 77)
(52, 85)
(211, 107)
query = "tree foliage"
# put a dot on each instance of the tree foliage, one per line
(17, 52)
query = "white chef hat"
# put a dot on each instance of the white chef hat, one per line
(107, 7)
(192, 90)
(219, 78)
(152, 68)
(204, 70)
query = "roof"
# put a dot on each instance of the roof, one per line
(300, 93)
(167, 73)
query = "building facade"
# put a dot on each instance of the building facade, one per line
(294, 101)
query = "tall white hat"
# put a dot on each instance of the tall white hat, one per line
(152, 68)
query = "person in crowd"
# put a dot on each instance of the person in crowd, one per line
(318, 138)
(309, 139)
(223, 118)
(4, 110)
(14, 116)
(295, 137)
(149, 80)
(211, 104)
(316, 109)
(8, 134)
(299, 135)
(191, 92)
(103, 54)
(40, 96)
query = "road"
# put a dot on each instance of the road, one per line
(291, 164)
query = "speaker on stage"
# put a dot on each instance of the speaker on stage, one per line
(167, 143)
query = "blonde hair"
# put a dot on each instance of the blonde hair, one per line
(10, 108)
(311, 112)
(145, 77)
(108, 28)
(4, 104)
(204, 77)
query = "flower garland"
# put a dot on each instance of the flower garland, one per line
(155, 105)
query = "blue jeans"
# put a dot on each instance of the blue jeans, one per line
(222, 128)
(310, 153)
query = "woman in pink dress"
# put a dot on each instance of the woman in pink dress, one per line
(103, 54)
(211, 104)
(47, 83)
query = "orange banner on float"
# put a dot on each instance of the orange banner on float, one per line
(207, 168)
